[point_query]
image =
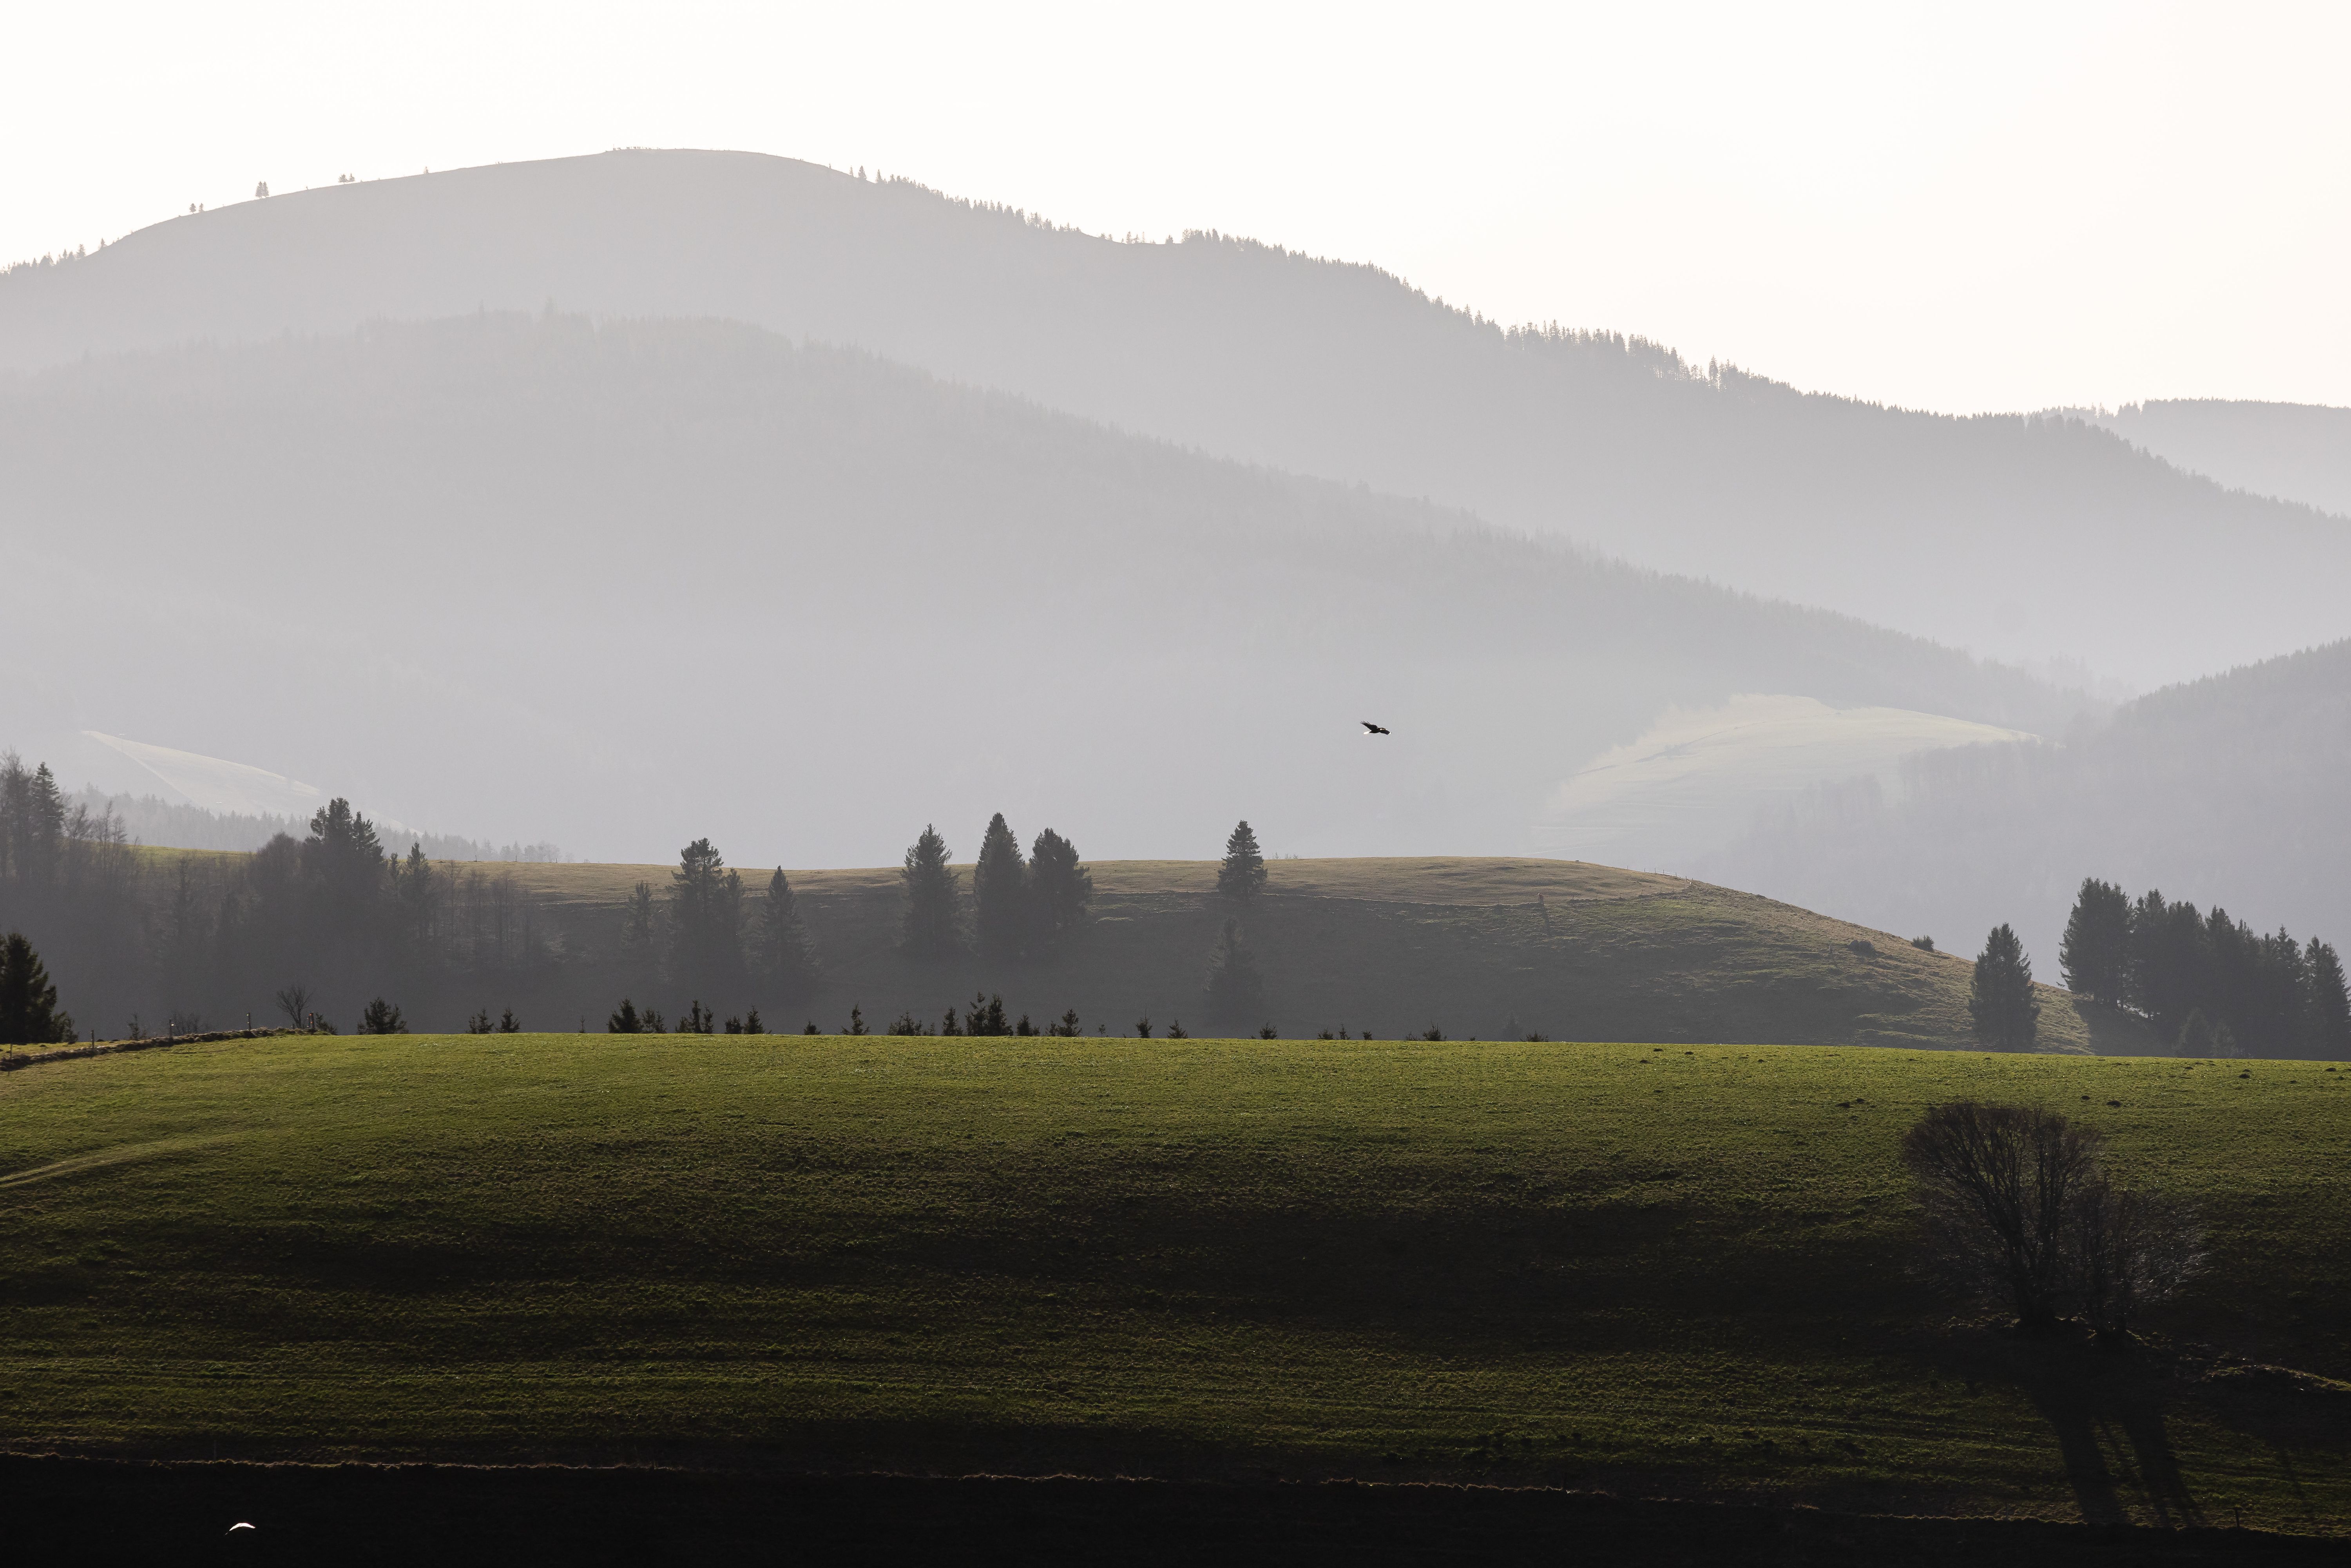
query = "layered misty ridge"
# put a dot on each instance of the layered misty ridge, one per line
(151, 820)
(2226, 791)
(2296, 451)
(664, 579)
(2044, 539)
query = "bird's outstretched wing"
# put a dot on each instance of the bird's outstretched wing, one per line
(1371, 729)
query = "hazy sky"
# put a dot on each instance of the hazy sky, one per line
(1962, 206)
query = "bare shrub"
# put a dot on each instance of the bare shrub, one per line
(2000, 1184)
(2127, 1250)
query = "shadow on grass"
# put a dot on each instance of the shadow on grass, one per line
(2107, 1405)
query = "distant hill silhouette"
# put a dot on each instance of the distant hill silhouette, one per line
(2226, 791)
(629, 585)
(2294, 451)
(2037, 538)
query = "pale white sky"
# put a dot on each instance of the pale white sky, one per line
(1957, 206)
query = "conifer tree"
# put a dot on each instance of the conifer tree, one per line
(1000, 893)
(2095, 956)
(344, 862)
(1060, 887)
(625, 1021)
(2326, 1019)
(28, 1001)
(417, 898)
(706, 920)
(1235, 990)
(929, 929)
(380, 1016)
(785, 957)
(32, 823)
(1242, 875)
(640, 938)
(1999, 997)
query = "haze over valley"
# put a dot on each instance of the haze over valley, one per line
(706, 857)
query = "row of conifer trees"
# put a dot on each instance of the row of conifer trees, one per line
(2210, 984)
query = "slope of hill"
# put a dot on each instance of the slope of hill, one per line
(1982, 533)
(1661, 1272)
(1498, 948)
(2226, 791)
(627, 586)
(2296, 452)
(1491, 947)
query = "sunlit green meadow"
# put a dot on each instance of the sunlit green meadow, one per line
(1673, 1269)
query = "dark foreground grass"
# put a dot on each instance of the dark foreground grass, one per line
(1678, 1270)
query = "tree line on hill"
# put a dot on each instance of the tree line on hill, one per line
(153, 820)
(1026, 910)
(177, 944)
(2210, 984)
(336, 923)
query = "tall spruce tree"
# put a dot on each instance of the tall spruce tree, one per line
(343, 860)
(2326, 1016)
(929, 928)
(1000, 893)
(706, 906)
(32, 823)
(2000, 1003)
(2095, 956)
(2168, 961)
(419, 898)
(1059, 889)
(28, 1001)
(1242, 875)
(786, 962)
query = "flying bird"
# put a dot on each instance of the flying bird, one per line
(1371, 729)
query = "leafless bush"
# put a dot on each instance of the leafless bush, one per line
(2128, 1251)
(2000, 1184)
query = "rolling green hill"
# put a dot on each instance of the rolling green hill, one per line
(1672, 1270)
(1398, 946)
(1480, 947)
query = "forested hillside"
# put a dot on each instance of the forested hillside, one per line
(2297, 452)
(2226, 791)
(1985, 533)
(622, 587)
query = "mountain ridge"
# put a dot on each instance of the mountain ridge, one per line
(1977, 533)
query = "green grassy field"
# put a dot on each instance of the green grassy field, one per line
(1675, 1270)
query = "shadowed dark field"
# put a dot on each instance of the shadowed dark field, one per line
(1674, 1270)
(363, 1515)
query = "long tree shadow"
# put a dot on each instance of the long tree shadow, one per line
(2105, 1405)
